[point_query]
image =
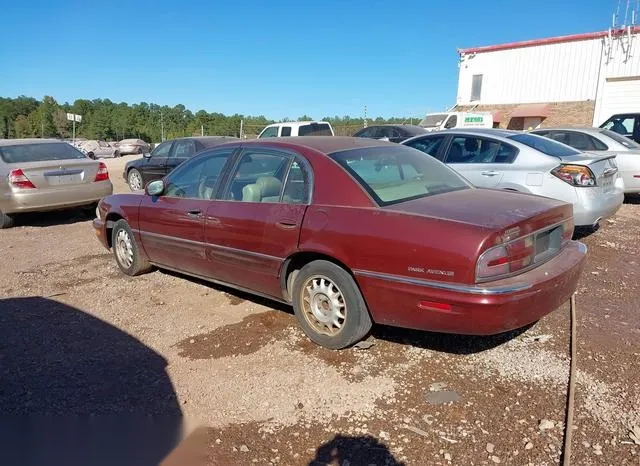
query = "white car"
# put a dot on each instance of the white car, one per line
(516, 161)
(133, 146)
(297, 128)
(603, 141)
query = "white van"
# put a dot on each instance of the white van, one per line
(448, 120)
(297, 128)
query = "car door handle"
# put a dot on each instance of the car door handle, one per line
(490, 173)
(287, 224)
(194, 213)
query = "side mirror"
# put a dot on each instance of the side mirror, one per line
(146, 155)
(384, 139)
(155, 188)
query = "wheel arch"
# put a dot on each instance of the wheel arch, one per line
(110, 221)
(292, 265)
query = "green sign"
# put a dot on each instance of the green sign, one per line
(473, 119)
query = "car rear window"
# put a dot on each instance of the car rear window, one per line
(39, 152)
(396, 174)
(626, 142)
(544, 145)
(431, 121)
(315, 129)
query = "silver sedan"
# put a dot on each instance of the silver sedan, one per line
(516, 161)
(39, 174)
(603, 141)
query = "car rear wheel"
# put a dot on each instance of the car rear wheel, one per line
(6, 220)
(134, 179)
(116, 154)
(126, 250)
(329, 305)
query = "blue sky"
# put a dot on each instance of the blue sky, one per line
(275, 58)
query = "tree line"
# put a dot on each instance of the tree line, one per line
(24, 116)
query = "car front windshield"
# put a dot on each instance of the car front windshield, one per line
(544, 145)
(39, 152)
(393, 174)
(626, 142)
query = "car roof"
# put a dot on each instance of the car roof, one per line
(17, 142)
(586, 129)
(207, 140)
(503, 133)
(324, 144)
(297, 123)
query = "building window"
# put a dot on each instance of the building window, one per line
(476, 86)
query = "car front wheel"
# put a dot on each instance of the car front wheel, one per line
(134, 179)
(126, 250)
(329, 305)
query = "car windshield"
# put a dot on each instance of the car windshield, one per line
(544, 145)
(431, 121)
(315, 129)
(394, 174)
(626, 142)
(39, 152)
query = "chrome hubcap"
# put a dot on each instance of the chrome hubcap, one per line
(135, 182)
(124, 249)
(323, 305)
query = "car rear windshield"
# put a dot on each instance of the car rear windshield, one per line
(398, 173)
(626, 142)
(431, 121)
(39, 152)
(315, 129)
(544, 145)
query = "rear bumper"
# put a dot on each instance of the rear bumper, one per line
(38, 200)
(485, 309)
(591, 206)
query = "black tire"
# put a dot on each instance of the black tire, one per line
(91, 155)
(116, 154)
(6, 220)
(137, 264)
(357, 321)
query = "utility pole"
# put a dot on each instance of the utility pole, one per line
(161, 127)
(201, 130)
(365, 116)
(42, 129)
(241, 124)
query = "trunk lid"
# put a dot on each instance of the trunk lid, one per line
(59, 173)
(491, 209)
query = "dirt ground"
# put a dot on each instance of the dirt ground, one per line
(80, 338)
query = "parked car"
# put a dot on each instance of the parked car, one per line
(40, 174)
(97, 149)
(516, 161)
(604, 141)
(393, 133)
(626, 124)
(449, 120)
(133, 146)
(351, 231)
(297, 128)
(165, 157)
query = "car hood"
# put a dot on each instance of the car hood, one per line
(490, 209)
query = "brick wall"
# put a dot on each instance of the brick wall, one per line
(560, 114)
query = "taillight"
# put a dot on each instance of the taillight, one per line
(519, 254)
(18, 179)
(575, 175)
(103, 173)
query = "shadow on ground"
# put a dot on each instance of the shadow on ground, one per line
(57, 217)
(76, 390)
(354, 451)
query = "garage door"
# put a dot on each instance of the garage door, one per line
(619, 95)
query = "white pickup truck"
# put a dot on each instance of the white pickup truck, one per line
(297, 128)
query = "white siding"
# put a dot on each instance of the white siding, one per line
(561, 72)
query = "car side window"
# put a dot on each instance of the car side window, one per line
(430, 145)
(258, 177)
(621, 125)
(298, 184)
(162, 150)
(270, 132)
(198, 178)
(451, 122)
(472, 149)
(286, 131)
(364, 133)
(184, 148)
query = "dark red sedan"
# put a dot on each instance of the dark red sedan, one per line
(351, 231)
